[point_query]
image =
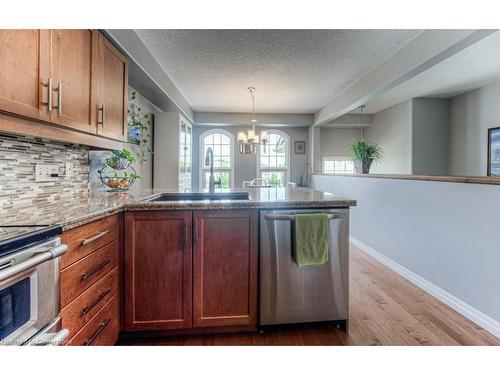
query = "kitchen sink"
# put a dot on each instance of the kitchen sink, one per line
(166, 197)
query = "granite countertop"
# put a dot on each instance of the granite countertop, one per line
(74, 213)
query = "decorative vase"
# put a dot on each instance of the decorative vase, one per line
(363, 166)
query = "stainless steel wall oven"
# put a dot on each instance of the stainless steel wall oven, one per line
(29, 289)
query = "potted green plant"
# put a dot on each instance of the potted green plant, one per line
(305, 176)
(139, 125)
(120, 159)
(364, 153)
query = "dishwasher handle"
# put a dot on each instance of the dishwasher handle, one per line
(281, 217)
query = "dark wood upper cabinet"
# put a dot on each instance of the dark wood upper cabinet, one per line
(112, 91)
(74, 78)
(158, 270)
(225, 268)
(24, 72)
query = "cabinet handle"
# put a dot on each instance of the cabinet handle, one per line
(86, 275)
(59, 98)
(89, 308)
(97, 333)
(102, 109)
(48, 103)
(94, 238)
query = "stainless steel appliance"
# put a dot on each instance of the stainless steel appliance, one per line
(289, 294)
(29, 287)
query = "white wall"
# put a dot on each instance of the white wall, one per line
(144, 169)
(471, 114)
(245, 166)
(313, 148)
(392, 130)
(447, 233)
(166, 150)
(430, 119)
(335, 141)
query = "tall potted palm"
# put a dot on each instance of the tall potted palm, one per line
(364, 153)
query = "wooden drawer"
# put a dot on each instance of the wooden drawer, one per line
(76, 314)
(78, 277)
(102, 329)
(87, 238)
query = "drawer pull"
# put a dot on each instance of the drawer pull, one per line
(94, 238)
(88, 308)
(86, 275)
(97, 333)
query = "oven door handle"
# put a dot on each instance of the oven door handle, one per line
(47, 337)
(59, 338)
(34, 261)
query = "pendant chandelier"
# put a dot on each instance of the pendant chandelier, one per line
(249, 140)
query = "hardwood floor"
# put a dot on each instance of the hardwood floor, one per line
(385, 309)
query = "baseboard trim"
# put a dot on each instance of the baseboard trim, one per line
(471, 313)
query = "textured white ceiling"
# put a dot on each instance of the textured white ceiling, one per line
(475, 66)
(294, 71)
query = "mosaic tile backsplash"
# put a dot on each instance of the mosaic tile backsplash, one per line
(19, 192)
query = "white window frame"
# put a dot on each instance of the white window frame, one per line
(203, 168)
(333, 158)
(184, 175)
(287, 157)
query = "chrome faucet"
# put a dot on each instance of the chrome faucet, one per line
(209, 161)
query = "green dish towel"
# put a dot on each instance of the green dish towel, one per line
(311, 239)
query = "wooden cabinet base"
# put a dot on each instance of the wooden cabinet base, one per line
(80, 311)
(157, 270)
(225, 268)
(167, 287)
(102, 329)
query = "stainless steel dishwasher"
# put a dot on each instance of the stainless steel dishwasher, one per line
(289, 294)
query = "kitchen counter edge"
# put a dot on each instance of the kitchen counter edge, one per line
(203, 205)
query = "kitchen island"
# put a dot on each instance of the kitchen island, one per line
(75, 212)
(156, 263)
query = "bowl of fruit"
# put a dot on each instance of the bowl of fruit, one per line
(118, 181)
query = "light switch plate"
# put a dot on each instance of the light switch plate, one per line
(43, 172)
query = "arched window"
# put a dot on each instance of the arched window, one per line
(222, 144)
(273, 158)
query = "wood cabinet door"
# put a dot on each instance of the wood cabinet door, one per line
(24, 58)
(158, 270)
(225, 268)
(74, 75)
(113, 91)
